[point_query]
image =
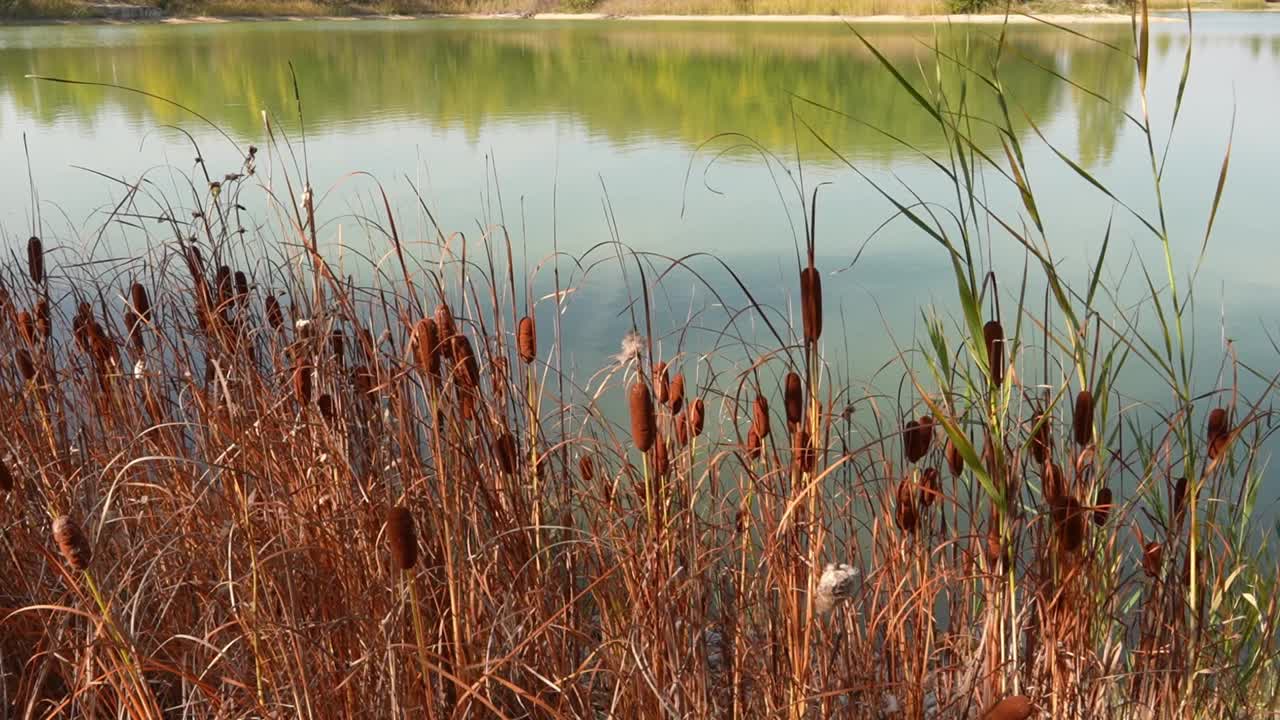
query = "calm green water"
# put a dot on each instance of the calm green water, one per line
(544, 124)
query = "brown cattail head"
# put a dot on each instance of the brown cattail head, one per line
(1041, 439)
(1179, 497)
(327, 410)
(426, 346)
(1074, 522)
(44, 321)
(930, 486)
(26, 368)
(955, 461)
(223, 281)
(643, 423)
(141, 303)
(35, 259)
(661, 382)
(302, 384)
(697, 416)
(275, 316)
(504, 451)
(71, 542)
(6, 478)
(1054, 484)
(802, 451)
(402, 538)
(755, 448)
(997, 559)
(1152, 555)
(444, 323)
(1084, 418)
(760, 416)
(1219, 432)
(527, 340)
(133, 324)
(242, 286)
(993, 334)
(338, 345)
(676, 392)
(811, 303)
(27, 327)
(586, 468)
(916, 438)
(906, 516)
(661, 457)
(793, 399)
(682, 429)
(465, 365)
(1102, 506)
(1016, 707)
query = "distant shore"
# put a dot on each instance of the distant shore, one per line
(1082, 18)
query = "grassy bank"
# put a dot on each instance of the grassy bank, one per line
(235, 481)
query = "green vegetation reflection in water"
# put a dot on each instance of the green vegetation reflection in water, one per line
(624, 82)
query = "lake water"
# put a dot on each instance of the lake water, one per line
(583, 132)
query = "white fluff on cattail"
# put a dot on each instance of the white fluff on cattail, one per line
(835, 586)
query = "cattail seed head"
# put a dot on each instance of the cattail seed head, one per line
(661, 457)
(930, 486)
(444, 323)
(760, 416)
(338, 345)
(44, 321)
(643, 423)
(71, 542)
(811, 303)
(1219, 432)
(682, 429)
(402, 538)
(1073, 525)
(997, 558)
(302, 384)
(464, 358)
(697, 416)
(1177, 502)
(676, 399)
(1102, 506)
(26, 368)
(223, 281)
(133, 324)
(1053, 483)
(141, 303)
(426, 346)
(661, 382)
(586, 468)
(527, 340)
(275, 316)
(993, 333)
(6, 478)
(1017, 707)
(905, 515)
(35, 259)
(755, 448)
(1152, 556)
(242, 285)
(27, 327)
(1083, 418)
(504, 450)
(793, 399)
(955, 461)
(1041, 440)
(802, 451)
(327, 410)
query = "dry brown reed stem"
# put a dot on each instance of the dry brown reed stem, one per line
(426, 344)
(1083, 418)
(697, 416)
(527, 340)
(1102, 506)
(1017, 707)
(643, 422)
(35, 260)
(6, 478)
(676, 394)
(793, 399)
(71, 542)
(504, 450)
(760, 416)
(993, 333)
(811, 303)
(401, 538)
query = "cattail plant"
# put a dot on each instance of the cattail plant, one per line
(643, 422)
(1083, 418)
(1219, 432)
(275, 316)
(697, 416)
(6, 478)
(35, 260)
(793, 399)
(993, 333)
(27, 327)
(1041, 439)
(1102, 506)
(955, 461)
(302, 384)
(26, 367)
(760, 416)
(755, 448)
(661, 457)
(504, 451)
(426, 345)
(527, 340)
(930, 486)
(803, 452)
(676, 394)
(905, 513)
(444, 323)
(661, 382)
(44, 319)
(586, 469)
(401, 538)
(811, 303)
(682, 429)
(1152, 556)
(71, 542)
(328, 411)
